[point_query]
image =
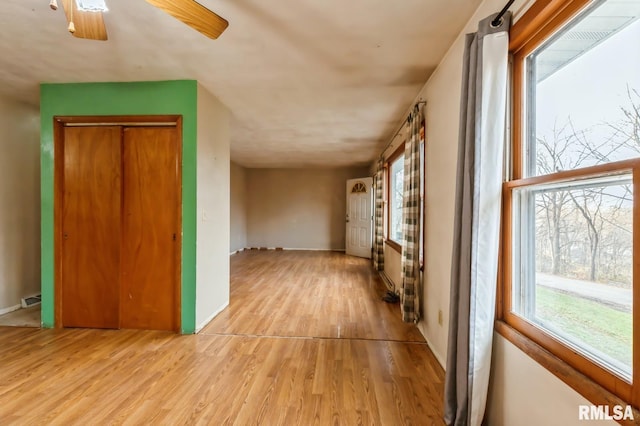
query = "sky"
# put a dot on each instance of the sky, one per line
(591, 89)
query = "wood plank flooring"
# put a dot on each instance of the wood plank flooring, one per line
(244, 368)
(309, 294)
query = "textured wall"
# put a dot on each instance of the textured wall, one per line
(298, 208)
(212, 270)
(238, 207)
(20, 207)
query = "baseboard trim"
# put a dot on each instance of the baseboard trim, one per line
(211, 317)
(311, 249)
(10, 309)
(434, 352)
(287, 248)
(387, 281)
(237, 251)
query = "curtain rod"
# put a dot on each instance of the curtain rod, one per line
(401, 126)
(496, 21)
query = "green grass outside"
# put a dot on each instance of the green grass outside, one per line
(600, 326)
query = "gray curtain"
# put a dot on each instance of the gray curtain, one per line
(477, 222)
(410, 294)
(378, 223)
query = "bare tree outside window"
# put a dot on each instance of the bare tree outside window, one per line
(578, 221)
(570, 212)
(397, 195)
(576, 242)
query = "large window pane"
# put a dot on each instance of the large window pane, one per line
(574, 255)
(396, 193)
(583, 92)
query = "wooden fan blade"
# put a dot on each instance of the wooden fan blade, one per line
(88, 24)
(195, 15)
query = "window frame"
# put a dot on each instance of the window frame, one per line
(392, 158)
(594, 382)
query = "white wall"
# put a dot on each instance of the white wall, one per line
(298, 208)
(238, 207)
(19, 203)
(525, 393)
(213, 204)
(511, 397)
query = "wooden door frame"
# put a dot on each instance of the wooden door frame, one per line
(59, 123)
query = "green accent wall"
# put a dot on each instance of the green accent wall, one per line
(138, 98)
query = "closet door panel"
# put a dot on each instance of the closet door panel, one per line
(90, 235)
(149, 298)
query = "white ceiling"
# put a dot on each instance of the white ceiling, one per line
(309, 82)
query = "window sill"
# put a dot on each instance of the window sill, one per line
(586, 387)
(397, 247)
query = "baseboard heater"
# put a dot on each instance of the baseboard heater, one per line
(387, 281)
(29, 301)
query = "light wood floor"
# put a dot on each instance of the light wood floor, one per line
(309, 294)
(289, 350)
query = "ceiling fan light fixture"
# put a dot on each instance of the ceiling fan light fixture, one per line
(92, 5)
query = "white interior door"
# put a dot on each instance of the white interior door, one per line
(359, 218)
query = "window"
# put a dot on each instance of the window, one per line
(571, 221)
(395, 193)
(359, 188)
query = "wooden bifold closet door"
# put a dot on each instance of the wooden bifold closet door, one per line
(120, 224)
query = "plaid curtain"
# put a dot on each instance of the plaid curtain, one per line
(410, 294)
(378, 223)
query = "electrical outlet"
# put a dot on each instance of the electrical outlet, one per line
(440, 316)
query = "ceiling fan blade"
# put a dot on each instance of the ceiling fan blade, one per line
(88, 24)
(193, 14)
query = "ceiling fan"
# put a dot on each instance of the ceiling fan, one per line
(86, 20)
